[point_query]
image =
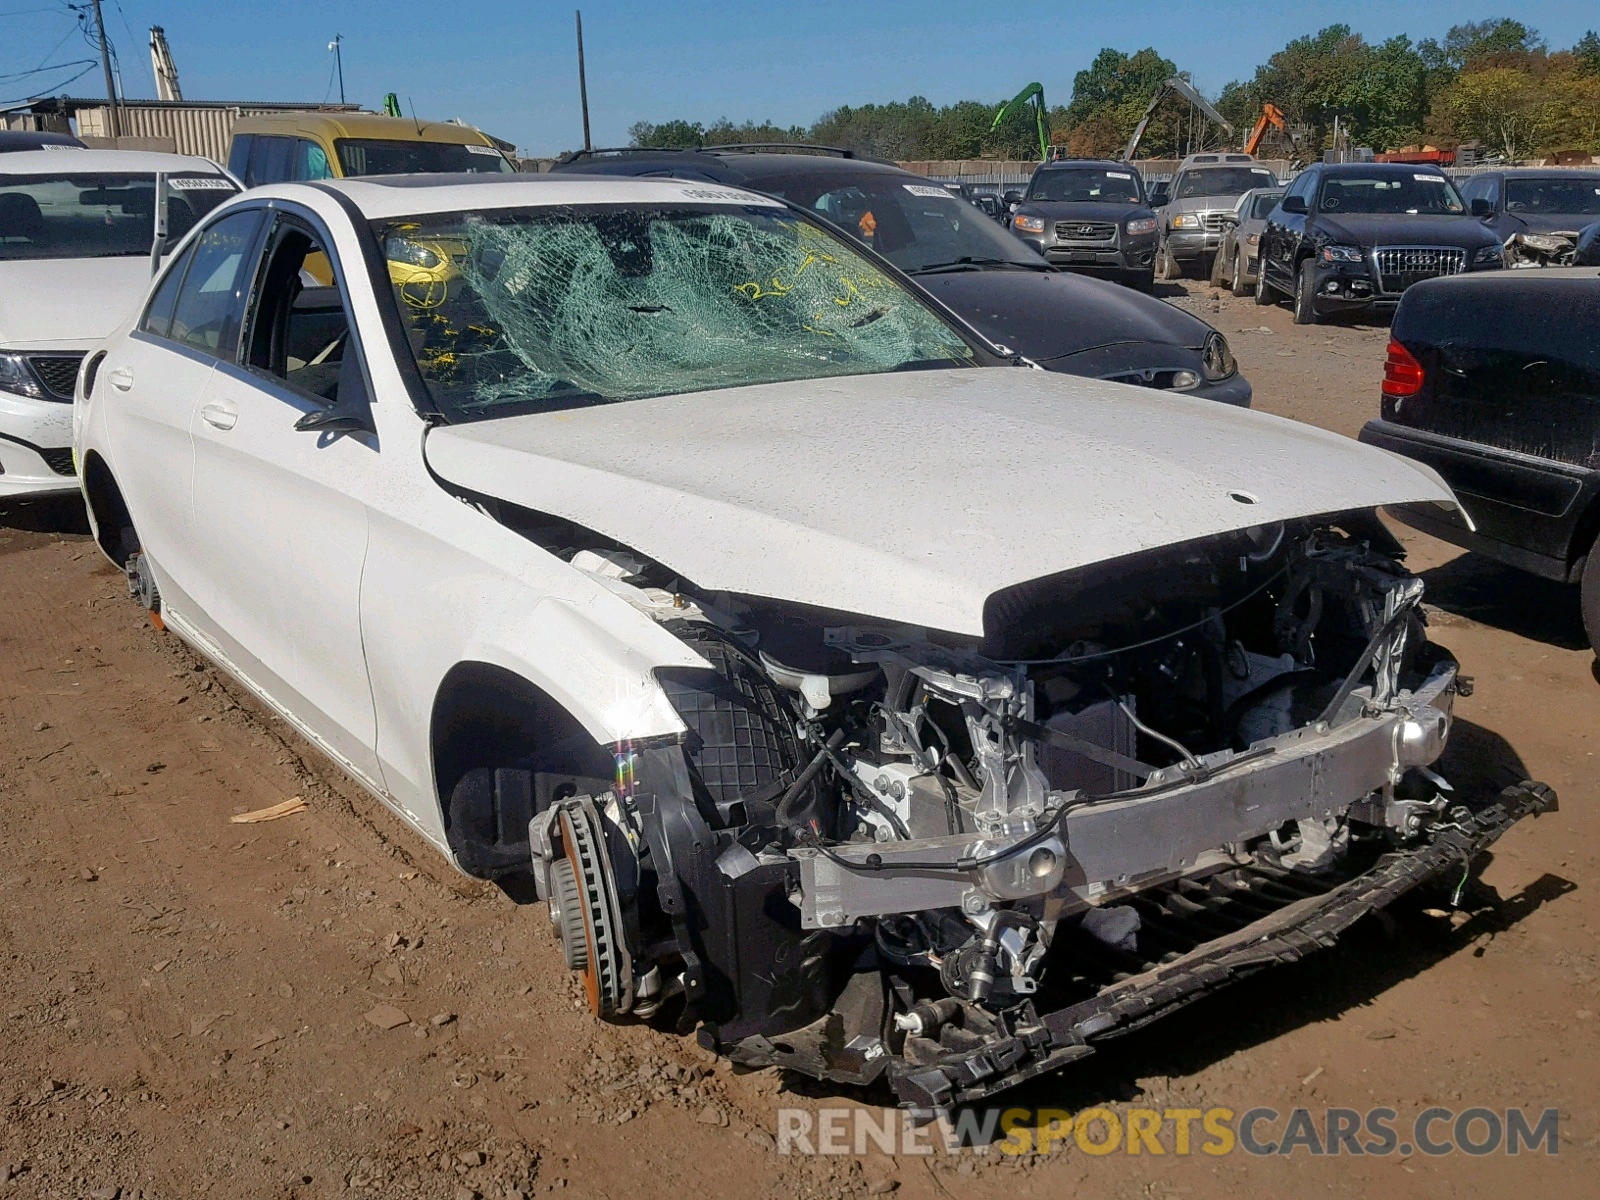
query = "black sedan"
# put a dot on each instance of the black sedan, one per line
(1351, 237)
(999, 286)
(1495, 383)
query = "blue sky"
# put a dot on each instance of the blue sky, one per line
(510, 67)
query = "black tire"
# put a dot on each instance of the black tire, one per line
(1264, 294)
(1237, 285)
(1215, 275)
(1589, 597)
(1167, 267)
(1142, 281)
(1305, 312)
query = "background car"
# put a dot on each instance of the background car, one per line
(998, 285)
(76, 232)
(1234, 266)
(1352, 237)
(1195, 205)
(276, 147)
(1535, 199)
(1091, 216)
(1494, 382)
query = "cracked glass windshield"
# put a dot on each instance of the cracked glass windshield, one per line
(527, 310)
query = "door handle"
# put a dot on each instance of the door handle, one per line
(121, 378)
(220, 416)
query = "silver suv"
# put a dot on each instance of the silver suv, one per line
(1194, 208)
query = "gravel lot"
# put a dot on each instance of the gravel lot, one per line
(319, 1007)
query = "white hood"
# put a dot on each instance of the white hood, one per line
(67, 303)
(912, 497)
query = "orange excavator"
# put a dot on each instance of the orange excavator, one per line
(1271, 115)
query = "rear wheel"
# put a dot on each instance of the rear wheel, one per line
(1590, 597)
(1237, 285)
(1305, 312)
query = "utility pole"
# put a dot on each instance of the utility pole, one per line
(583, 84)
(338, 59)
(105, 62)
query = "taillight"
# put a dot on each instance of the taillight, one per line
(1402, 373)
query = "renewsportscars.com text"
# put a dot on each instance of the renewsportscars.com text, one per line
(1179, 1131)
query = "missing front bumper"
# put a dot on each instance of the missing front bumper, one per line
(1204, 933)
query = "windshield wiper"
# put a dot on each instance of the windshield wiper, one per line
(968, 262)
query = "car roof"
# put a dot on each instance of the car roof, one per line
(1583, 172)
(382, 196)
(1219, 158)
(727, 163)
(375, 126)
(70, 160)
(1376, 168)
(1059, 164)
(14, 140)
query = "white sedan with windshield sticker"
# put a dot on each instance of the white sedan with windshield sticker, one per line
(896, 712)
(76, 233)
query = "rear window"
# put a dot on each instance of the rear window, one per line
(374, 156)
(99, 216)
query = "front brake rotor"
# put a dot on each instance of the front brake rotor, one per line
(591, 905)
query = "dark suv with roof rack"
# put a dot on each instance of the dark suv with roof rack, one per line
(1090, 215)
(993, 281)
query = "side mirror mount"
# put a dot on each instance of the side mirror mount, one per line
(335, 420)
(1294, 204)
(1480, 206)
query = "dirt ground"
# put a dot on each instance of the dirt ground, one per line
(319, 1007)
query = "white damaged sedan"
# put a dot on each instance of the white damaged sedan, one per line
(894, 712)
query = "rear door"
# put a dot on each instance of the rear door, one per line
(156, 378)
(280, 514)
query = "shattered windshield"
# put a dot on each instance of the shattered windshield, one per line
(529, 310)
(99, 216)
(1084, 185)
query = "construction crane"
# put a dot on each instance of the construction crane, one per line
(1173, 86)
(161, 64)
(1272, 115)
(1035, 93)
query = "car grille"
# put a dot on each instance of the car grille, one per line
(1401, 266)
(1213, 220)
(59, 461)
(1085, 231)
(58, 373)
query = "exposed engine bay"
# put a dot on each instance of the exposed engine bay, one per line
(884, 854)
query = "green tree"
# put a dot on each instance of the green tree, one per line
(673, 135)
(1109, 98)
(1499, 41)
(1509, 110)
(1587, 53)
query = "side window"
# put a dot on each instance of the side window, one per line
(270, 161)
(310, 160)
(158, 316)
(211, 298)
(1303, 186)
(1491, 191)
(298, 331)
(239, 154)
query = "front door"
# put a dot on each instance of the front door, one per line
(279, 514)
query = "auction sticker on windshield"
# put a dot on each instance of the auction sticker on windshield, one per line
(1429, 178)
(927, 189)
(1118, 175)
(201, 183)
(730, 197)
(490, 150)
